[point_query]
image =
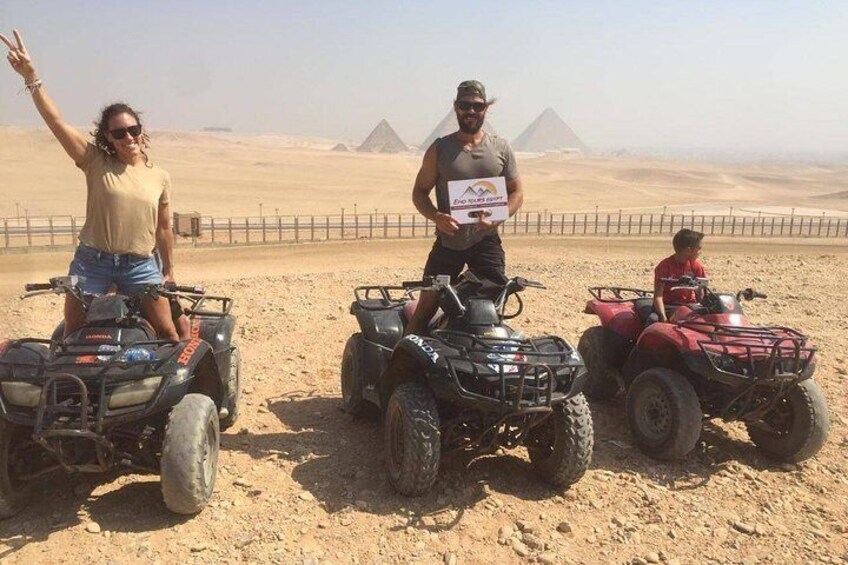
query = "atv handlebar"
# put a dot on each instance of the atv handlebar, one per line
(749, 294)
(173, 287)
(32, 287)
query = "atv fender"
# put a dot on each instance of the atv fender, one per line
(219, 333)
(660, 345)
(26, 358)
(417, 359)
(194, 368)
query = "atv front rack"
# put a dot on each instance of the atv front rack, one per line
(386, 298)
(221, 305)
(518, 376)
(619, 293)
(752, 352)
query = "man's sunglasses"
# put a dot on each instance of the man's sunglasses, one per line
(464, 106)
(121, 133)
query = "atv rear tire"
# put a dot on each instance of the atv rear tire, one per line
(190, 454)
(353, 379)
(560, 448)
(231, 402)
(796, 428)
(602, 382)
(413, 439)
(13, 494)
(664, 413)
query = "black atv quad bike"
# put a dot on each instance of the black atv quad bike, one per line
(111, 395)
(471, 383)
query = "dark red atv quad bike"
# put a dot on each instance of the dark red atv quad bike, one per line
(706, 361)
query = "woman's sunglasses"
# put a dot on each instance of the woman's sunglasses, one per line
(121, 133)
(464, 106)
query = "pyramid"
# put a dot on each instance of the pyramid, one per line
(340, 147)
(448, 126)
(383, 140)
(548, 133)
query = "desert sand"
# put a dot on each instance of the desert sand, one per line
(300, 481)
(226, 175)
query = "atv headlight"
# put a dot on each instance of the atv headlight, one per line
(135, 392)
(21, 394)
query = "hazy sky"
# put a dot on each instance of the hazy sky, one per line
(765, 75)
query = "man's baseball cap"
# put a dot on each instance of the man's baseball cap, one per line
(471, 88)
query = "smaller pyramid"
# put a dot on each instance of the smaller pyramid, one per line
(340, 147)
(548, 132)
(383, 139)
(449, 125)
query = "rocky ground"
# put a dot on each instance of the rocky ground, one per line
(300, 481)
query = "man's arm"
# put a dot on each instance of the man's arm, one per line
(165, 241)
(659, 303)
(424, 183)
(515, 195)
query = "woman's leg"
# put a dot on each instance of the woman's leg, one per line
(157, 311)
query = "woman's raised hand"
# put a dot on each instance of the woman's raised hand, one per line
(19, 58)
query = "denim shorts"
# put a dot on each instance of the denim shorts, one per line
(98, 270)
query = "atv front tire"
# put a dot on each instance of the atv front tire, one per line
(796, 427)
(664, 413)
(14, 494)
(560, 448)
(231, 402)
(353, 378)
(602, 377)
(190, 454)
(413, 439)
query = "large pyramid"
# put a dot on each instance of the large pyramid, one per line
(448, 126)
(383, 140)
(548, 133)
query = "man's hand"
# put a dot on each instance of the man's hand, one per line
(446, 223)
(484, 224)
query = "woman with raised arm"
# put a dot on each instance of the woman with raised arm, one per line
(127, 208)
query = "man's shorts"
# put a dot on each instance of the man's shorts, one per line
(99, 270)
(486, 259)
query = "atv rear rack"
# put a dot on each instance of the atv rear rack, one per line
(523, 375)
(386, 299)
(601, 293)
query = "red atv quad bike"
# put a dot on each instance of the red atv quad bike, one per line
(708, 361)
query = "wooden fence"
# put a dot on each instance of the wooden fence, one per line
(62, 231)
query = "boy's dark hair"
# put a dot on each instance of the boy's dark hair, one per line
(686, 238)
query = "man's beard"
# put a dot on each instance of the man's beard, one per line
(472, 129)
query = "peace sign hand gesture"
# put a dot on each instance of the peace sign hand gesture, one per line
(19, 57)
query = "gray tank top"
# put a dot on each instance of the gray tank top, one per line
(492, 158)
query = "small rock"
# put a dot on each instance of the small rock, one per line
(92, 528)
(505, 532)
(744, 528)
(547, 558)
(564, 528)
(306, 495)
(652, 557)
(198, 547)
(532, 541)
(449, 558)
(519, 548)
(619, 521)
(242, 482)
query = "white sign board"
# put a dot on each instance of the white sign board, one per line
(470, 199)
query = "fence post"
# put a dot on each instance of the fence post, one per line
(538, 223)
(342, 224)
(400, 234)
(596, 223)
(6, 232)
(413, 225)
(230, 228)
(279, 228)
(327, 220)
(427, 226)
(562, 224)
(551, 223)
(52, 238)
(662, 217)
(247, 229)
(297, 229)
(264, 240)
(385, 226)
(608, 225)
(312, 228)
(29, 233)
(821, 221)
(640, 223)
(73, 230)
(629, 224)
(585, 223)
(618, 231)
(213, 229)
(356, 226)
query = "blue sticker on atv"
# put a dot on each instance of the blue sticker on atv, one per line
(507, 369)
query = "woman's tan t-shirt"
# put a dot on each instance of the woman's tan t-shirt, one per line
(122, 208)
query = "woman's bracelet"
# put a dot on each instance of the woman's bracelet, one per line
(33, 86)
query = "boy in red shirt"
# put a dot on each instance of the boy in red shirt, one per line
(684, 262)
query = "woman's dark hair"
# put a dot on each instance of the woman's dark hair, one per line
(102, 126)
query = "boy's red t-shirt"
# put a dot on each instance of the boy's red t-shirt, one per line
(669, 268)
